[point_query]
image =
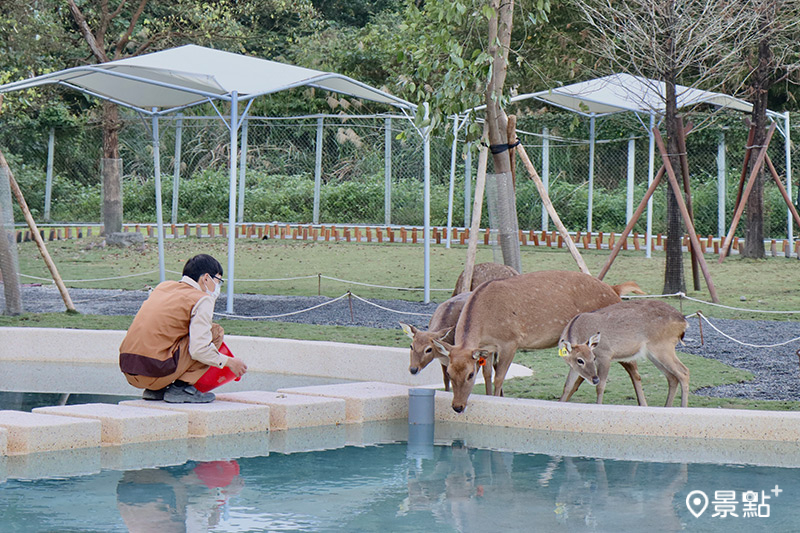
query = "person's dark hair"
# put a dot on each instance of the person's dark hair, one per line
(202, 264)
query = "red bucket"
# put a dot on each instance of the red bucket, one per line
(214, 377)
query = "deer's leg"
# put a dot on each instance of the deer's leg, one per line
(666, 360)
(446, 378)
(636, 379)
(487, 374)
(602, 374)
(571, 385)
(505, 354)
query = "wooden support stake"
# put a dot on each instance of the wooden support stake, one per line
(673, 181)
(576, 255)
(477, 211)
(751, 181)
(23, 205)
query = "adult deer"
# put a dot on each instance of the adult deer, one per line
(441, 327)
(483, 272)
(623, 333)
(527, 311)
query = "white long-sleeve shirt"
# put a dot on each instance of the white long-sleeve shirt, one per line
(201, 347)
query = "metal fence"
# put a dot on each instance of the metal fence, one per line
(336, 169)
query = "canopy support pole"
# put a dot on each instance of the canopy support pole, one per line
(232, 198)
(162, 274)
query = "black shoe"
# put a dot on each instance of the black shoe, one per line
(187, 394)
(149, 394)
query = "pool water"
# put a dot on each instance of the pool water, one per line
(396, 487)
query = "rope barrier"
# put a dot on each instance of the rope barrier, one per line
(715, 328)
(390, 310)
(90, 280)
(323, 304)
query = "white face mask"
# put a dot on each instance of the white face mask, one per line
(215, 293)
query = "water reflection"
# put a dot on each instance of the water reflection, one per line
(190, 497)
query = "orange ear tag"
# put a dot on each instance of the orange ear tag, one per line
(481, 361)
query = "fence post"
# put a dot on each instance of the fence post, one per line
(591, 174)
(721, 185)
(176, 172)
(387, 172)
(48, 184)
(318, 172)
(545, 174)
(468, 186)
(631, 175)
(651, 161)
(242, 171)
(787, 146)
(451, 190)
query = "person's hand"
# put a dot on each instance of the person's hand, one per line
(237, 366)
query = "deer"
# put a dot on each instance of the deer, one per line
(441, 327)
(483, 272)
(624, 333)
(527, 311)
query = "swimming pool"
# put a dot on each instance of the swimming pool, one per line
(450, 486)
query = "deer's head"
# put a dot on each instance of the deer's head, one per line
(423, 349)
(581, 357)
(463, 365)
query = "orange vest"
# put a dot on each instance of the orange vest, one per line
(150, 346)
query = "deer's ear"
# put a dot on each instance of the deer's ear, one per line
(594, 340)
(408, 330)
(443, 348)
(564, 348)
(443, 334)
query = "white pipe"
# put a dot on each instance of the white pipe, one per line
(468, 186)
(426, 233)
(590, 206)
(631, 176)
(721, 186)
(48, 182)
(232, 199)
(387, 172)
(650, 176)
(159, 215)
(787, 146)
(545, 174)
(317, 172)
(176, 170)
(242, 170)
(452, 182)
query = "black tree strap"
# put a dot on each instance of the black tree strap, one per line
(500, 148)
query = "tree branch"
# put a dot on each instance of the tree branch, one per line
(83, 26)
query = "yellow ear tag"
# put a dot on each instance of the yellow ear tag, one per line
(562, 352)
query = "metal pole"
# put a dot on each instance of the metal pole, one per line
(787, 146)
(721, 170)
(591, 175)
(650, 170)
(317, 173)
(176, 172)
(426, 233)
(48, 183)
(387, 172)
(631, 176)
(452, 183)
(159, 214)
(545, 174)
(234, 127)
(468, 186)
(242, 170)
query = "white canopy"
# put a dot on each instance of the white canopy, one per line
(190, 75)
(164, 82)
(620, 93)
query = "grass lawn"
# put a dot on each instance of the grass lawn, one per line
(768, 284)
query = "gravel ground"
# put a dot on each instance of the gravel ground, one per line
(776, 369)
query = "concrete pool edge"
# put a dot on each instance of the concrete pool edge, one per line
(490, 412)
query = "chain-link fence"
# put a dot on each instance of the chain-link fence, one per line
(337, 169)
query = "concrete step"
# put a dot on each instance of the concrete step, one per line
(364, 402)
(215, 418)
(292, 410)
(123, 424)
(34, 432)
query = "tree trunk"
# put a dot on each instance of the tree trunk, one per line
(754, 225)
(673, 270)
(111, 170)
(497, 122)
(9, 272)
